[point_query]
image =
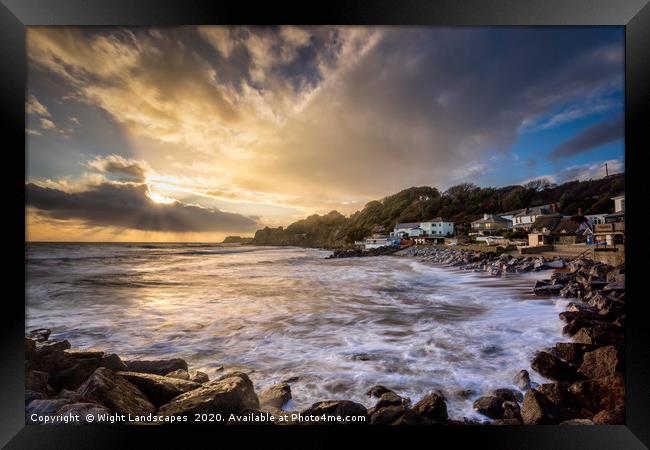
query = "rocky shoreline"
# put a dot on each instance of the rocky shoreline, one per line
(588, 372)
(65, 385)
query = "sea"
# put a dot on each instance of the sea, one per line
(331, 327)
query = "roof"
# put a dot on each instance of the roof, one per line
(491, 218)
(437, 219)
(407, 225)
(512, 213)
(556, 224)
(534, 211)
(621, 195)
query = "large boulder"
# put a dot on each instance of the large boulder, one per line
(83, 410)
(605, 393)
(39, 335)
(377, 391)
(490, 406)
(337, 410)
(114, 392)
(276, 396)
(42, 408)
(57, 345)
(602, 362)
(432, 407)
(391, 399)
(537, 409)
(396, 415)
(156, 367)
(158, 389)
(572, 352)
(602, 334)
(554, 368)
(37, 381)
(231, 394)
(615, 416)
(522, 380)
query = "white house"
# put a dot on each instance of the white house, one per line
(408, 229)
(377, 242)
(527, 216)
(438, 227)
(595, 219)
(619, 203)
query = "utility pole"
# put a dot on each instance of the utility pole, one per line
(606, 171)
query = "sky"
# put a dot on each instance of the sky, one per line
(196, 133)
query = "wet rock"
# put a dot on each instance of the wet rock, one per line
(510, 410)
(432, 407)
(83, 410)
(612, 417)
(230, 394)
(537, 409)
(572, 352)
(506, 422)
(115, 393)
(276, 396)
(44, 407)
(180, 374)
(36, 381)
(337, 409)
(490, 406)
(507, 395)
(84, 354)
(387, 415)
(113, 362)
(550, 289)
(199, 377)
(605, 393)
(554, 368)
(522, 380)
(57, 345)
(602, 362)
(156, 367)
(390, 399)
(377, 391)
(158, 389)
(33, 395)
(600, 335)
(40, 334)
(577, 422)
(614, 287)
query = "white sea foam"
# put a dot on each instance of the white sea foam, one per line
(341, 326)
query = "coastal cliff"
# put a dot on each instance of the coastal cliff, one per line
(460, 204)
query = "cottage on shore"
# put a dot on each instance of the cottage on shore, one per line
(490, 223)
(431, 231)
(554, 228)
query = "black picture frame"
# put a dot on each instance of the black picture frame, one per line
(634, 15)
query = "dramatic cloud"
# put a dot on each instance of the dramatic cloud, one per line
(33, 106)
(290, 121)
(115, 164)
(130, 206)
(590, 138)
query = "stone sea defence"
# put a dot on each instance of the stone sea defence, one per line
(586, 374)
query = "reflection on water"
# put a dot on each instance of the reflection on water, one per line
(339, 326)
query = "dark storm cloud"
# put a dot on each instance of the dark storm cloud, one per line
(128, 206)
(590, 138)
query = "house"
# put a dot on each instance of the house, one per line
(407, 229)
(557, 229)
(595, 219)
(526, 217)
(490, 223)
(612, 230)
(438, 227)
(377, 230)
(619, 203)
(377, 242)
